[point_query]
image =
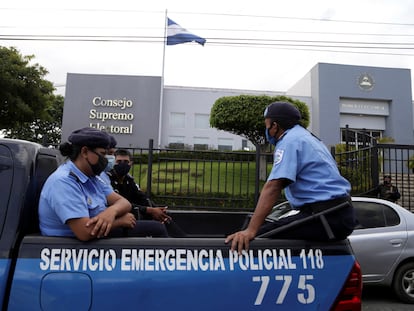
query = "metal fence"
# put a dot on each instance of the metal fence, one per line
(365, 168)
(213, 179)
(199, 179)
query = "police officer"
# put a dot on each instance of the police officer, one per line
(306, 171)
(124, 184)
(110, 156)
(75, 201)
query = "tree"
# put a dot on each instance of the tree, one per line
(25, 96)
(42, 131)
(243, 115)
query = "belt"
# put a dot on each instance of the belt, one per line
(323, 205)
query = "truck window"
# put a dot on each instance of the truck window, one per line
(46, 164)
(6, 181)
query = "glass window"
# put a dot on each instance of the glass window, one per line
(391, 217)
(6, 181)
(201, 143)
(359, 137)
(201, 121)
(177, 120)
(176, 139)
(374, 215)
(225, 144)
(376, 134)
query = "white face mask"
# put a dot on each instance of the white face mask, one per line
(111, 161)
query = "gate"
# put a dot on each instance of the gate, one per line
(365, 168)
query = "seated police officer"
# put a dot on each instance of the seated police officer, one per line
(75, 201)
(124, 184)
(307, 172)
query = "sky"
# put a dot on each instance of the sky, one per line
(252, 45)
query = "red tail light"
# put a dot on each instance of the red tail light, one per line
(349, 299)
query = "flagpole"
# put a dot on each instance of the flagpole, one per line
(162, 79)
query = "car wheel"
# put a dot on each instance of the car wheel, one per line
(403, 283)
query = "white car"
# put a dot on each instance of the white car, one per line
(383, 243)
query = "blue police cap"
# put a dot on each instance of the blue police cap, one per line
(112, 142)
(282, 111)
(90, 137)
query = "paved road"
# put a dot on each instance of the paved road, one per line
(378, 298)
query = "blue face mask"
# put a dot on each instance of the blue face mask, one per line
(111, 161)
(269, 138)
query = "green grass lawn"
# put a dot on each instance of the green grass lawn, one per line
(236, 178)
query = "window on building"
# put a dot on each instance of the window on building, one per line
(201, 121)
(359, 137)
(176, 142)
(177, 120)
(201, 143)
(225, 144)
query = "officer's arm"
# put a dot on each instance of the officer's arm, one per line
(86, 228)
(118, 203)
(268, 197)
(80, 229)
(115, 215)
(270, 193)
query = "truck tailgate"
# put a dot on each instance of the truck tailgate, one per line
(177, 274)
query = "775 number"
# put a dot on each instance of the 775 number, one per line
(306, 296)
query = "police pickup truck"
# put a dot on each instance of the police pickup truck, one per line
(196, 272)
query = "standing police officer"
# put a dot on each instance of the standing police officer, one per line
(307, 172)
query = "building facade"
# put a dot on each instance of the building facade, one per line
(376, 100)
(135, 109)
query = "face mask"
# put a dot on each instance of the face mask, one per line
(111, 161)
(99, 167)
(122, 168)
(269, 138)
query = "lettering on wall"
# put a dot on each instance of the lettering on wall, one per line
(112, 115)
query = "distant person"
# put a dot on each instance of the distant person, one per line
(75, 202)
(387, 190)
(307, 172)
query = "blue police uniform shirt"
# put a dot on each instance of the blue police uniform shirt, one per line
(306, 162)
(68, 193)
(104, 176)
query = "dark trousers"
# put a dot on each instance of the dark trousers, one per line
(143, 228)
(342, 222)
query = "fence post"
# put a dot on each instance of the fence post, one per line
(374, 163)
(257, 176)
(149, 171)
(347, 138)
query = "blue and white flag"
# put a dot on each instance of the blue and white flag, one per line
(177, 35)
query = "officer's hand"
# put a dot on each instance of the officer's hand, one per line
(128, 220)
(102, 223)
(240, 240)
(159, 213)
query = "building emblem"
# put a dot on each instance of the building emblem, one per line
(366, 82)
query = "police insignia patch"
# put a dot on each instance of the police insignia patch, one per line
(278, 156)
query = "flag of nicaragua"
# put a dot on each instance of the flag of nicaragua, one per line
(177, 34)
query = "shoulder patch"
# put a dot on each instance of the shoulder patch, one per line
(278, 156)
